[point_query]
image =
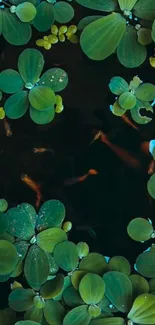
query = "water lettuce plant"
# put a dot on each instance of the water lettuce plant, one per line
(132, 97)
(126, 30)
(29, 90)
(15, 20)
(52, 10)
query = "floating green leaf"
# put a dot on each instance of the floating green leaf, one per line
(93, 263)
(26, 11)
(108, 321)
(145, 92)
(10, 81)
(8, 257)
(106, 5)
(44, 17)
(34, 314)
(153, 31)
(127, 100)
(67, 283)
(145, 264)
(51, 214)
(21, 299)
(118, 290)
(54, 312)
(76, 278)
(3, 206)
(16, 105)
(139, 285)
(83, 249)
(143, 309)
(21, 221)
(117, 110)
(136, 115)
(145, 10)
(53, 266)
(130, 52)
(52, 288)
(77, 316)
(140, 229)
(63, 12)
(101, 38)
(27, 322)
(41, 97)
(119, 263)
(72, 298)
(66, 256)
(30, 65)
(135, 83)
(91, 288)
(86, 21)
(144, 36)
(126, 4)
(94, 311)
(42, 117)
(49, 238)
(55, 78)
(151, 186)
(13, 30)
(118, 85)
(36, 268)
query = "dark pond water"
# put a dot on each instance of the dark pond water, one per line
(108, 200)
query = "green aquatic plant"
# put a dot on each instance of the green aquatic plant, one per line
(30, 91)
(50, 11)
(33, 238)
(132, 97)
(15, 20)
(126, 30)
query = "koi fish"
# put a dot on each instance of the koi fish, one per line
(42, 150)
(80, 179)
(124, 155)
(7, 128)
(127, 121)
(34, 186)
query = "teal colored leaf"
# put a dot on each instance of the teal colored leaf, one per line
(21, 221)
(77, 316)
(8, 257)
(136, 114)
(36, 268)
(34, 314)
(22, 248)
(151, 186)
(41, 97)
(10, 81)
(63, 12)
(126, 4)
(53, 266)
(72, 298)
(91, 288)
(106, 5)
(101, 38)
(4, 278)
(130, 52)
(30, 65)
(145, 10)
(45, 16)
(66, 256)
(42, 117)
(21, 299)
(17, 2)
(13, 30)
(54, 312)
(26, 11)
(16, 105)
(118, 85)
(27, 322)
(56, 79)
(49, 238)
(118, 290)
(145, 92)
(108, 321)
(3, 223)
(145, 264)
(86, 21)
(51, 214)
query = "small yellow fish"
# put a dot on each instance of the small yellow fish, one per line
(34, 186)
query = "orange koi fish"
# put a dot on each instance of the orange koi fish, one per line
(34, 186)
(42, 150)
(7, 128)
(124, 155)
(127, 121)
(75, 180)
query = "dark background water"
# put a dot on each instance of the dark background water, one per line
(108, 200)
